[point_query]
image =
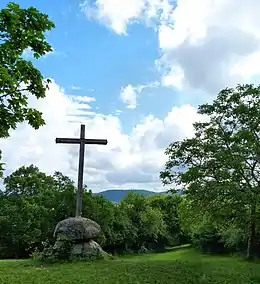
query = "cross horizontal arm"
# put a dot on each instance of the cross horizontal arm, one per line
(78, 141)
(67, 140)
(96, 141)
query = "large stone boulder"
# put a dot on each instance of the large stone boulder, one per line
(77, 228)
(79, 232)
(88, 249)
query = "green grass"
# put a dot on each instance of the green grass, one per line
(182, 266)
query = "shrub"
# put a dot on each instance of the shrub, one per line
(59, 252)
(234, 239)
(208, 240)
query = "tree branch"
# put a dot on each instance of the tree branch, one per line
(228, 147)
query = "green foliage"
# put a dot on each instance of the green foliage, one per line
(208, 239)
(30, 207)
(234, 238)
(147, 224)
(33, 203)
(21, 30)
(220, 166)
(59, 252)
(170, 205)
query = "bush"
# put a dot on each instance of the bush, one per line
(234, 239)
(208, 240)
(54, 253)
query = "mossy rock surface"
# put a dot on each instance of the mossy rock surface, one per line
(77, 229)
(90, 249)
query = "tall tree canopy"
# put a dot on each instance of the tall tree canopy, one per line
(222, 160)
(20, 30)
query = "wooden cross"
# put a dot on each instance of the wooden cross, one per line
(81, 141)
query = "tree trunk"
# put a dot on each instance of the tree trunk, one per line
(251, 232)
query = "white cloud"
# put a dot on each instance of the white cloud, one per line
(76, 88)
(205, 44)
(84, 99)
(130, 93)
(117, 14)
(128, 96)
(212, 44)
(173, 78)
(128, 161)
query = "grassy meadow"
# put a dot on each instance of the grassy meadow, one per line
(183, 265)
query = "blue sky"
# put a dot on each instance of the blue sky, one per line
(90, 56)
(147, 64)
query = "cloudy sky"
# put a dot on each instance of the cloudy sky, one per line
(134, 72)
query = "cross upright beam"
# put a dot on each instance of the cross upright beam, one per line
(82, 141)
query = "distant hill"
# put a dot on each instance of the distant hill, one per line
(115, 195)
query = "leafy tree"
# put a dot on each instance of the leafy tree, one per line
(169, 205)
(153, 227)
(27, 181)
(147, 222)
(65, 204)
(121, 233)
(222, 160)
(21, 30)
(30, 207)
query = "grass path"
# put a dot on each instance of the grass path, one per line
(183, 266)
